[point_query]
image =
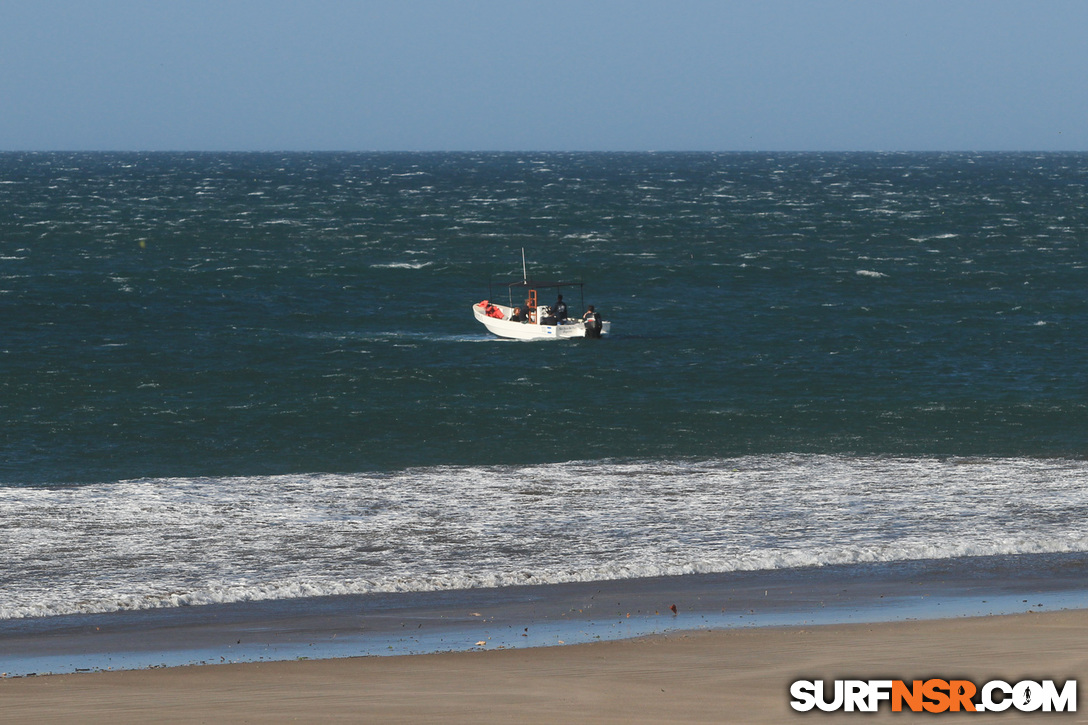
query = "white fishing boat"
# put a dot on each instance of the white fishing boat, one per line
(530, 320)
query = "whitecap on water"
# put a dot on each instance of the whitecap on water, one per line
(401, 265)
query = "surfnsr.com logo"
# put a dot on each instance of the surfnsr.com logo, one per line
(933, 695)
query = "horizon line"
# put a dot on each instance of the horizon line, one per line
(542, 151)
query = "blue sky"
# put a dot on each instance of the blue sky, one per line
(571, 75)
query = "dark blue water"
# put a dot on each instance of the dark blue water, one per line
(224, 314)
(227, 377)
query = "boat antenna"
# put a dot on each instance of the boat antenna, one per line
(524, 273)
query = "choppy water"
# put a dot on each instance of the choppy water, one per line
(229, 376)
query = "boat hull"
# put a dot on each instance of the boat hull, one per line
(530, 331)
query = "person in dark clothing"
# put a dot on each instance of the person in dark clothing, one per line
(518, 315)
(560, 311)
(593, 322)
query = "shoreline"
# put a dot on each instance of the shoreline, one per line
(523, 617)
(729, 653)
(711, 676)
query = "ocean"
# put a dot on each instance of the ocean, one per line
(232, 377)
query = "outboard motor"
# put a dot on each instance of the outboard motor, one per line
(593, 326)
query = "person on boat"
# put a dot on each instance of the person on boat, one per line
(593, 322)
(530, 311)
(560, 311)
(519, 316)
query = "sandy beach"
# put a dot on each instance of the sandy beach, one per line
(739, 675)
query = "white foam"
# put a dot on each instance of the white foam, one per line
(184, 541)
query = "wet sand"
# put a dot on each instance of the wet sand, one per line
(582, 652)
(536, 616)
(738, 675)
